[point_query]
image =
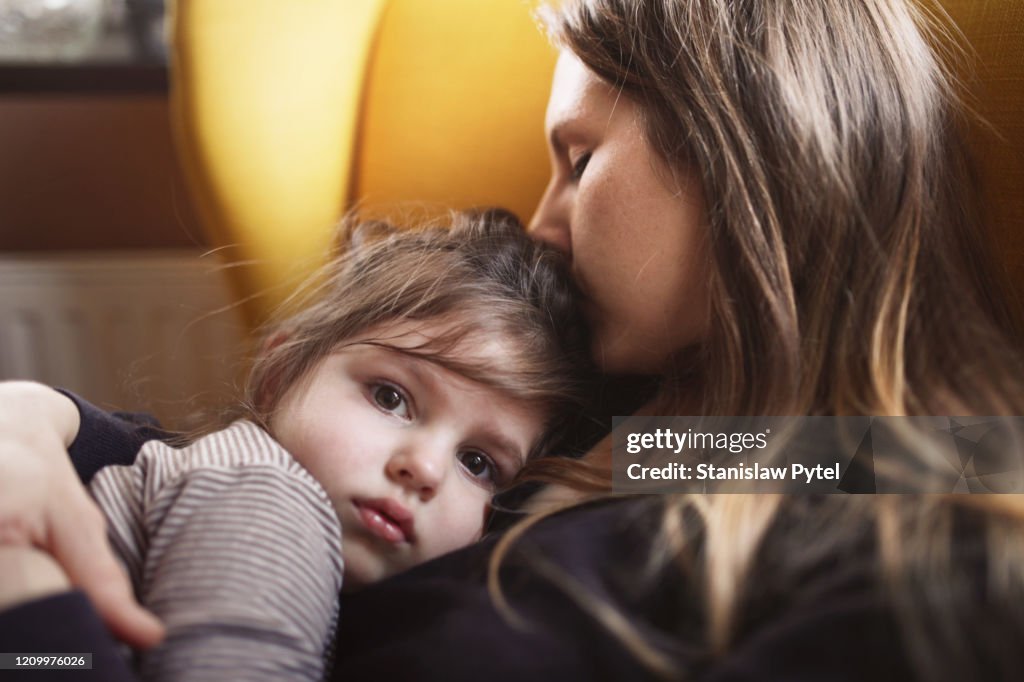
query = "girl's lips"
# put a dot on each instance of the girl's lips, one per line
(386, 519)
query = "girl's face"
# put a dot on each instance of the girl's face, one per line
(633, 228)
(410, 453)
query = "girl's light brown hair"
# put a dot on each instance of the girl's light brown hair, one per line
(480, 275)
(850, 276)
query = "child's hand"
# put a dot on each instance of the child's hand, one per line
(43, 505)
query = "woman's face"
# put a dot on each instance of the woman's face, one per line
(633, 228)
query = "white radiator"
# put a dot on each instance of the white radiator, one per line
(136, 331)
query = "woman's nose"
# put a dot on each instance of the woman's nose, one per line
(420, 467)
(550, 222)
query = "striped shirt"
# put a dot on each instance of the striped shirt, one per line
(236, 548)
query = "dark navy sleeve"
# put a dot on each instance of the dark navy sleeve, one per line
(106, 438)
(63, 623)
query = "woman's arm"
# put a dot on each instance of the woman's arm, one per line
(43, 505)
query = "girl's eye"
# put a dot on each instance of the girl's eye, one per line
(390, 399)
(479, 465)
(580, 165)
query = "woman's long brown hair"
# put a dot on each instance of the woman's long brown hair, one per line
(851, 273)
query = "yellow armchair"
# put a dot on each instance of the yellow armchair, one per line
(265, 104)
(288, 114)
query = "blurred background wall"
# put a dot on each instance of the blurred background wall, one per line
(104, 286)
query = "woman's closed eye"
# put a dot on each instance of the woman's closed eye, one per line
(392, 400)
(580, 165)
(480, 466)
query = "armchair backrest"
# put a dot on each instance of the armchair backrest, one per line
(288, 114)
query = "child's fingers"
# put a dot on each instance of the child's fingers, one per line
(77, 539)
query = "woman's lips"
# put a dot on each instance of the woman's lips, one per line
(386, 519)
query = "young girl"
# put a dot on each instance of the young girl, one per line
(376, 427)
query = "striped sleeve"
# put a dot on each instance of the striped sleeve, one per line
(236, 548)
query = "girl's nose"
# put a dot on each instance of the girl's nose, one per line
(420, 466)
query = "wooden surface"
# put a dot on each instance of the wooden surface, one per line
(82, 171)
(84, 78)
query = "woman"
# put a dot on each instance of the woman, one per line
(768, 207)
